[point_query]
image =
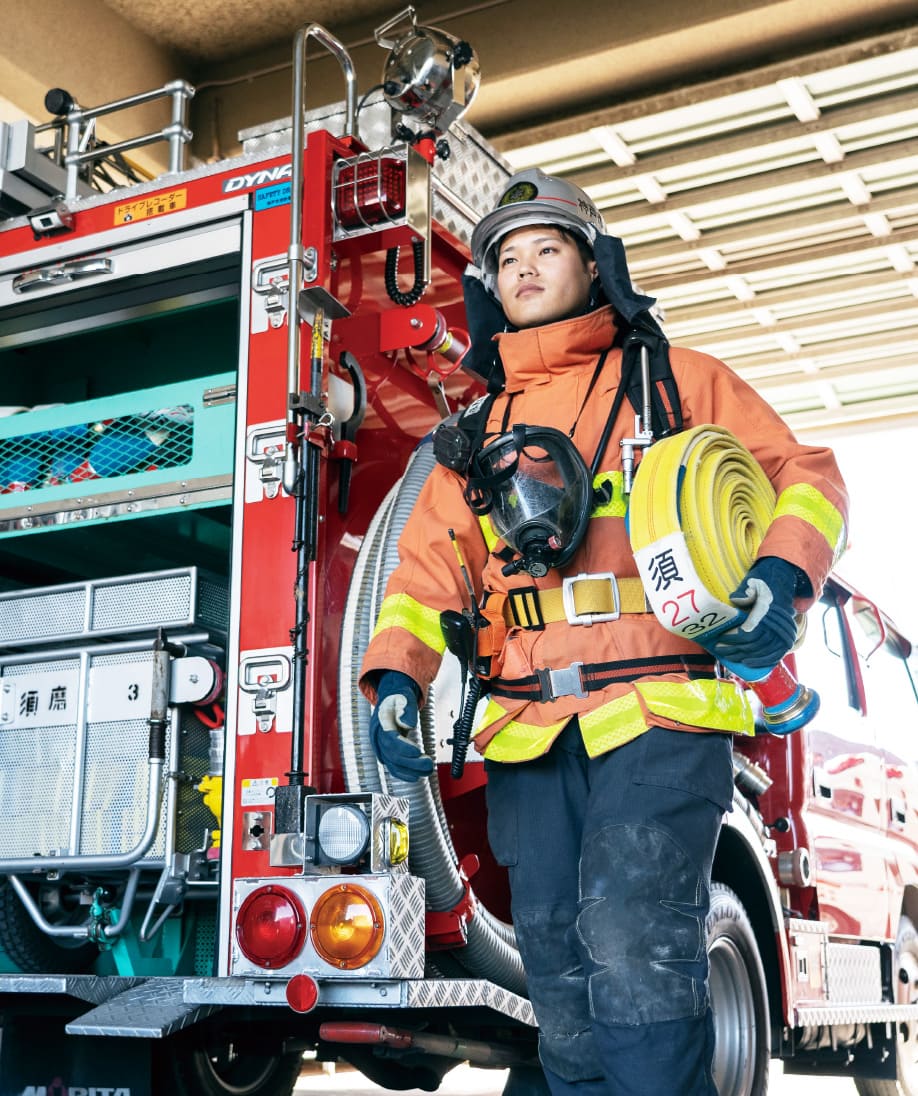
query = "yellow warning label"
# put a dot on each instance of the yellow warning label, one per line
(154, 206)
(259, 790)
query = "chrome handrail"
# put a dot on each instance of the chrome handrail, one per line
(80, 123)
(296, 253)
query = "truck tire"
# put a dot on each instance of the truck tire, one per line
(906, 980)
(209, 1060)
(32, 950)
(739, 998)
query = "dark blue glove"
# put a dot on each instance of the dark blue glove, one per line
(770, 628)
(396, 713)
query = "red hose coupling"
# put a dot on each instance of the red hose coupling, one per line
(449, 928)
(786, 704)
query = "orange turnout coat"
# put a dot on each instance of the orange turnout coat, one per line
(634, 673)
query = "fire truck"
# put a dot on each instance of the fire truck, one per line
(219, 387)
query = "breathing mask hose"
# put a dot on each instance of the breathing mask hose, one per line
(699, 510)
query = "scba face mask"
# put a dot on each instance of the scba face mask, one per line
(537, 491)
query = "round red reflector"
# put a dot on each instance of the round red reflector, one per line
(271, 927)
(302, 993)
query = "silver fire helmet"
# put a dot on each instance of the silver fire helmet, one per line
(534, 198)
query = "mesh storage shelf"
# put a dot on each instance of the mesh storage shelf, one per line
(117, 456)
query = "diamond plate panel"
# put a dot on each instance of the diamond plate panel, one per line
(233, 991)
(469, 993)
(406, 926)
(151, 1010)
(84, 987)
(853, 974)
(419, 993)
(855, 1014)
(469, 183)
(401, 898)
(798, 924)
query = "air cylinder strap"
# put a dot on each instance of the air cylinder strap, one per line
(698, 513)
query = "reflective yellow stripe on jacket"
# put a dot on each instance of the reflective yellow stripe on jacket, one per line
(712, 704)
(810, 505)
(402, 611)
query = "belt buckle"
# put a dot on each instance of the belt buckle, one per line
(564, 682)
(589, 619)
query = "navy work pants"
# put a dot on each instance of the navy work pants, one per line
(610, 865)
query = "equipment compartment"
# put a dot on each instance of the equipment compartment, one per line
(73, 745)
(101, 458)
(123, 606)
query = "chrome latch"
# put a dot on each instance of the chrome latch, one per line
(564, 682)
(265, 451)
(270, 281)
(265, 675)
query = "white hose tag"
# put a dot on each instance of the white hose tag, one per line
(678, 597)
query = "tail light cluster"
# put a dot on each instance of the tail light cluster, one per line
(352, 908)
(346, 926)
(271, 927)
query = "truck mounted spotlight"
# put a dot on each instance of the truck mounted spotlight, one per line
(359, 832)
(430, 76)
(342, 834)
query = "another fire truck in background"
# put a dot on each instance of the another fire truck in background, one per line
(220, 391)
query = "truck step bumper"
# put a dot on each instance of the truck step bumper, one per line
(153, 1008)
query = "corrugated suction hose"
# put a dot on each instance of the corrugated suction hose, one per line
(491, 952)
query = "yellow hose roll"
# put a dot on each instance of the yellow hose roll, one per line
(699, 508)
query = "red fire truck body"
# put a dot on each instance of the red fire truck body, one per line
(193, 549)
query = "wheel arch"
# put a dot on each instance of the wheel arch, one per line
(909, 905)
(741, 864)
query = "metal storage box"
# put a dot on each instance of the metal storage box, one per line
(74, 776)
(181, 598)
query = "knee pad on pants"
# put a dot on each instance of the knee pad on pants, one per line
(557, 986)
(643, 908)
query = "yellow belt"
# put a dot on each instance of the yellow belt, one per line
(580, 600)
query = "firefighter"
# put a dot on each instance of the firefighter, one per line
(607, 739)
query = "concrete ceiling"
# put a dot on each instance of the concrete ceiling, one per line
(760, 159)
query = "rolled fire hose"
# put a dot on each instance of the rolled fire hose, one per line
(699, 509)
(491, 951)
